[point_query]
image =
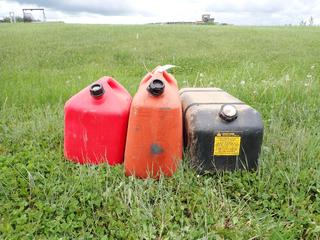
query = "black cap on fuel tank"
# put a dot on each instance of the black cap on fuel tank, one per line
(228, 112)
(156, 87)
(96, 90)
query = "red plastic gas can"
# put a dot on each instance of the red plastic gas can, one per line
(96, 122)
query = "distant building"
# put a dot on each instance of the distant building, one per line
(207, 19)
(28, 17)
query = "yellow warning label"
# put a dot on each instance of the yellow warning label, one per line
(226, 144)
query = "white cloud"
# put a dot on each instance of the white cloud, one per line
(242, 12)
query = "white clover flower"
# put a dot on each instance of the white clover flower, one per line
(312, 67)
(309, 76)
(242, 82)
(201, 74)
(287, 77)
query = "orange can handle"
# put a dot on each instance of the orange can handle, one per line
(170, 79)
(167, 76)
(146, 78)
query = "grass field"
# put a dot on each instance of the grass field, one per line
(43, 196)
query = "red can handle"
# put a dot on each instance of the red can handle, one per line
(115, 85)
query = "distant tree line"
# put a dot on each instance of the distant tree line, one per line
(8, 19)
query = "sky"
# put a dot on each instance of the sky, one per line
(238, 12)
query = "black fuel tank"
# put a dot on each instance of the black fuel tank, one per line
(220, 131)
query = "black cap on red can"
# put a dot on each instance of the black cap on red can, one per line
(96, 90)
(156, 87)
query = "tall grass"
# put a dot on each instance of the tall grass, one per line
(274, 69)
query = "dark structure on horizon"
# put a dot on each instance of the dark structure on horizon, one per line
(207, 19)
(28, 17)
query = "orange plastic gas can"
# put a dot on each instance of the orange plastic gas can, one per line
(154, 139)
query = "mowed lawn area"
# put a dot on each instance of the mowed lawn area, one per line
(43, 196)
